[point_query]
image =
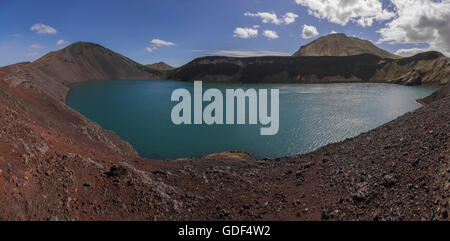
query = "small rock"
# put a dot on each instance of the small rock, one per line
(116, 171)
(287, 173)
(444, 213)
(389, 181)
(362, 192)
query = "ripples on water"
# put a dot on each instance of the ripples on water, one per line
(311, 116)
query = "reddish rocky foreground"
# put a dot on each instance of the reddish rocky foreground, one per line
(57, 165)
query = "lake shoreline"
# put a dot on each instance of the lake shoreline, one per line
(142, 125)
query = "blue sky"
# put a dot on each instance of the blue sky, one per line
(194, 28)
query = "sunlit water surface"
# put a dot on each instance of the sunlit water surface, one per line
(311, 116)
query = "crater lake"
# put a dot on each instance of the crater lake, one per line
(311, 116)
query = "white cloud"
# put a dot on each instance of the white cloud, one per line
(411, 51)
(309, 31)
(419, 21)
(245, 33)
(272, 17)
(36, 46)
(155, 44)
(32, 54)
(333, 32)
(266, 17)
(151, 49)
(43, 29)
(61, 42)
(408, 21)
(289, 18)
(363, 12)
(161, 43)
(242, 53)
(270, 34)
(255, 26)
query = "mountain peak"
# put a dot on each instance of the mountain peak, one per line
(77, 47)
(83, 44)
(160, 66)
(337, 34)
(339, 44)
(85, 61)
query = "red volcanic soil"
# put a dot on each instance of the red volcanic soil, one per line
(56, 164)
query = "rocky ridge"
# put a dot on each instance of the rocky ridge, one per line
(161, 66)
(430, 68)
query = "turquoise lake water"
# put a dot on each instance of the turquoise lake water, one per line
(311, 116)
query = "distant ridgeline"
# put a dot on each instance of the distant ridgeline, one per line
(160, 66)
(333, 58)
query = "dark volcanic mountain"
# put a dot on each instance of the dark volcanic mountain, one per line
(425, 68)
(81, 61)
(160, 66)
(84, 61)
(341, 45)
